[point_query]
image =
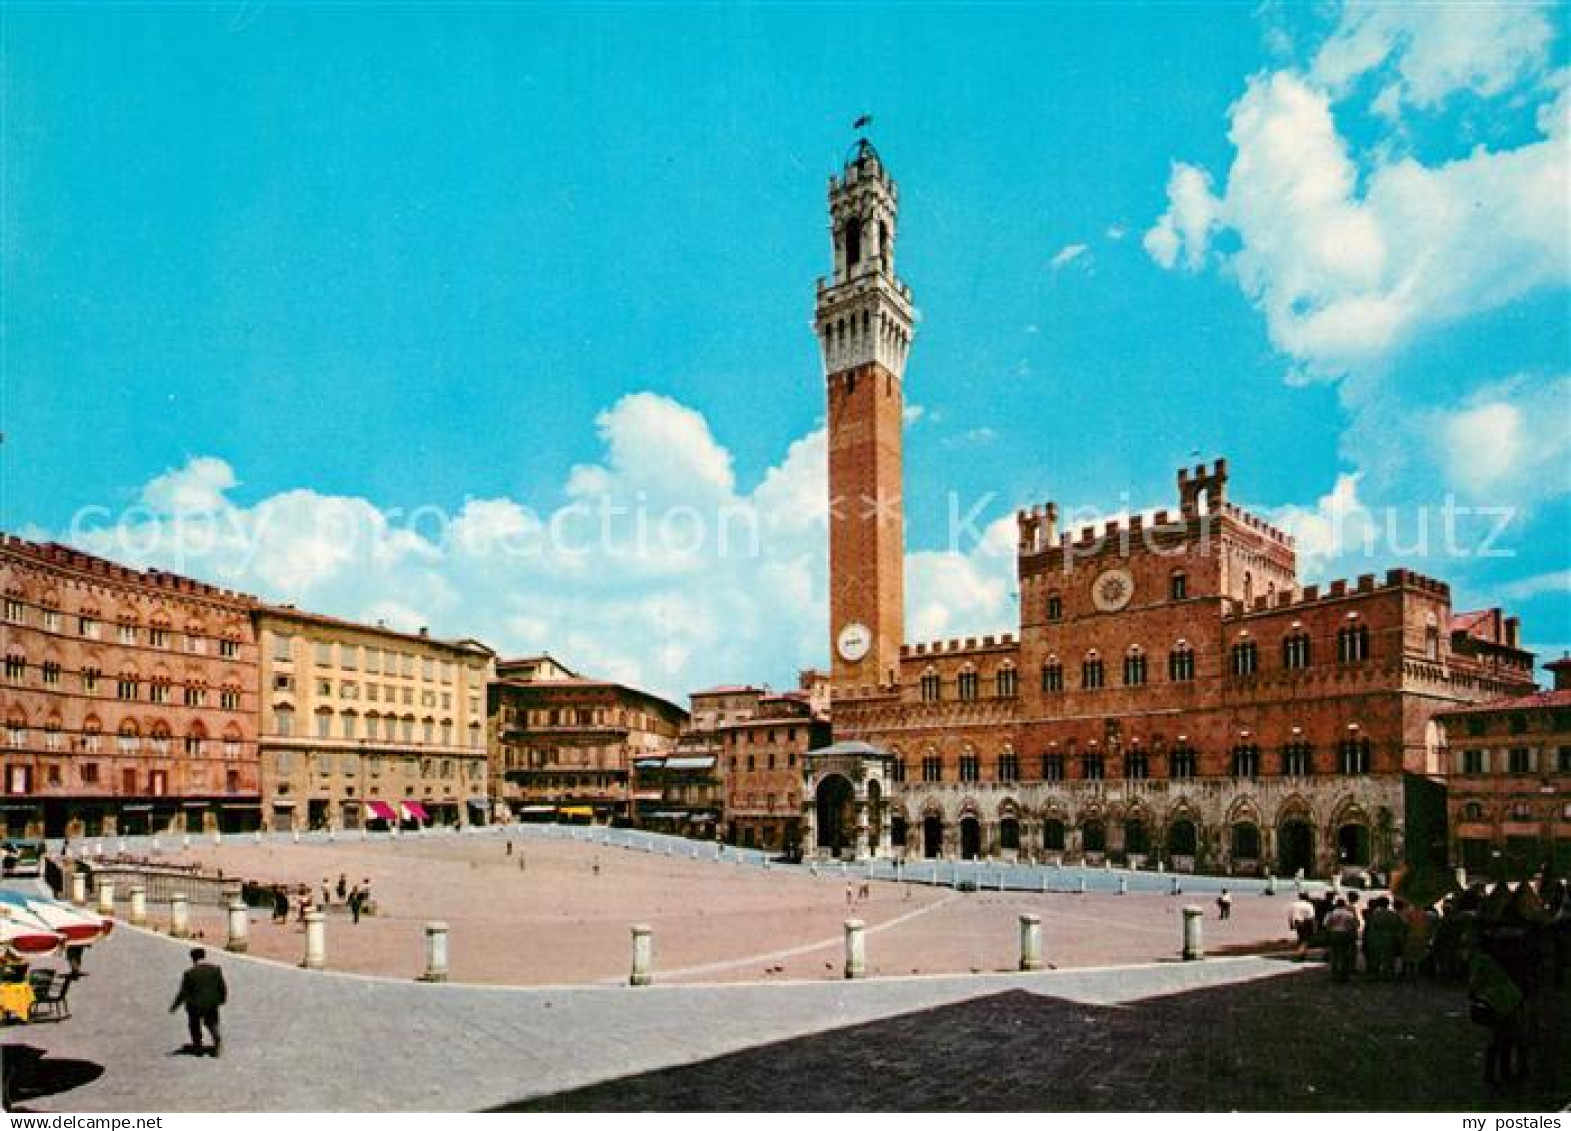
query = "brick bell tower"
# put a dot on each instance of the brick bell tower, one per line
(864, 322)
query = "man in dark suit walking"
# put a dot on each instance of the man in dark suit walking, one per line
(202, 991)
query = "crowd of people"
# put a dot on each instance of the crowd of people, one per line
(355, 899)
(1509, 944)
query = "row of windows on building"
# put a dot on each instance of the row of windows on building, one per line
(373, 726)
(771, 802)
(159, 634)
(1295, 759)
(159, 740)
(1516, 760)
(375, 692)
(376, 661)
(786, 759)
(349, 762)
(128, 684)
(1352, 648)
(585, 781)
(21, 780)
(1474, 812)
(1519, 722)
(577, 717)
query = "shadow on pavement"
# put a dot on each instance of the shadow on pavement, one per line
(1292, 1042)
(30, 1074)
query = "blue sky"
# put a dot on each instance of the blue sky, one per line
(294, 271)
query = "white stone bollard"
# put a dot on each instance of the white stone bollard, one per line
(239, 926)
(1461, 878)
(1270, 885)
(179, 915)
(79, 887)
(256, 837)
(218, 837)
(643, 956)
(1123, 885)
(157, 846)
(856, 949)
(106, 897)
(138, 914)
(315, 941)
(1030, 942)
(1161, 866)
(1044, 883)
(1194, 947)
(294, 835)
(185, 841)
(1173, 888)
(435, 953)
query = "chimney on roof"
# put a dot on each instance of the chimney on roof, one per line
(424, 631)
(1561, 669)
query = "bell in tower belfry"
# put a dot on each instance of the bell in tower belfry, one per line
(864, 321)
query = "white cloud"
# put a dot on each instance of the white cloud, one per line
(1335, 537)
(1186, 225)
(1067, 255)
(196, 488)
(1555, 581)
(654, 568)
(1116, 232)
(1511, 440)
(951, 594)
(1348, 269)
(1434, 50)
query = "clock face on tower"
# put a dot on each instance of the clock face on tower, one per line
(1112, 590)
(854, 642)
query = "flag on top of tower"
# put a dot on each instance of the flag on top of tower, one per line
(863, 122)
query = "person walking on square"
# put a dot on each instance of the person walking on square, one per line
(1342, 935)
(203, 993)
(1224, 905)
(356, 899)
(327, 893)
(1301, 921)
(343, 887)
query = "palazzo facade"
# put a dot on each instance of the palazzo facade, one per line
(1173, 693)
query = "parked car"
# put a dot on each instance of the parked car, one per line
(22, 857)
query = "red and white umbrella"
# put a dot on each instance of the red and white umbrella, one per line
(80, 928)
(22, 934)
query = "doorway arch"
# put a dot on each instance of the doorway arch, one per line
(970, 837)
(1352, 845)
(932, 836)
(836, 803)
(1295, 839)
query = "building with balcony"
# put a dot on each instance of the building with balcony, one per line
(564, 747)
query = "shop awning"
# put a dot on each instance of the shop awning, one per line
(194, 804)
(479, 803)
(577, 811)
(703, 762)
(537, 809)
(242, 805)
(416, 810)
(382, 810)
(283, 804)
(136, 808)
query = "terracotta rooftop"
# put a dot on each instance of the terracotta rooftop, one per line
(1541, 700)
